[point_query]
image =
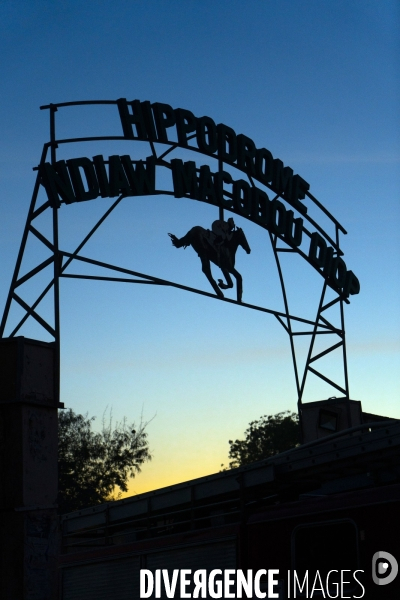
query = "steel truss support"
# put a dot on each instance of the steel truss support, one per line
(321, 326)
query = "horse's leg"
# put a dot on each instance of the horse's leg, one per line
(205, 264)
(229, 282)
(239, 284)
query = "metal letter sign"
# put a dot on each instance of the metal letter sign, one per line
(265, 192)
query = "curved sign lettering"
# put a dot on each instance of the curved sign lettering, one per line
(283, 213)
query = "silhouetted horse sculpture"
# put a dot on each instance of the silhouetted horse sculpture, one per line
(224, 258)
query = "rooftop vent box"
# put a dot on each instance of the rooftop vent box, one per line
(325, 417)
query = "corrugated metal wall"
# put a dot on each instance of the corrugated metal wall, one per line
(119, 578)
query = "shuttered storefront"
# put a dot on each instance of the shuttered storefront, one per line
(119, 578)
(103, 580)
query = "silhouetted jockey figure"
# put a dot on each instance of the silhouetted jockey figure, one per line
(221, 232)
(219, 247)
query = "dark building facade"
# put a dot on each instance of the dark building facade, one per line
(329, 505)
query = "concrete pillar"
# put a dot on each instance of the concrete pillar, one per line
(28, 470)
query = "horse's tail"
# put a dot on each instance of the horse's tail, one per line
(178, 243)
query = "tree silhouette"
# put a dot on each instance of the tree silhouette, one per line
(269, 435)
(92, 465)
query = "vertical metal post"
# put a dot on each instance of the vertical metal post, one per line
(53, 146)
(346, 379)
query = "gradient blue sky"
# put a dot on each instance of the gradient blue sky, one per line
(316, 82)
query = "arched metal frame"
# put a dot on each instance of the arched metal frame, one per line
(62, 259)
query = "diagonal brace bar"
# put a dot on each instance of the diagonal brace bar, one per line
(41, 237)
(34, 271)
(33, 314)
(321, 354)
(119, 279)
(327, 380)
(182, 287)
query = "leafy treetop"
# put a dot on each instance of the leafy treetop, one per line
(269, 435)
(92, 465)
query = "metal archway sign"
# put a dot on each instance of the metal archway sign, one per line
(270, 195)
